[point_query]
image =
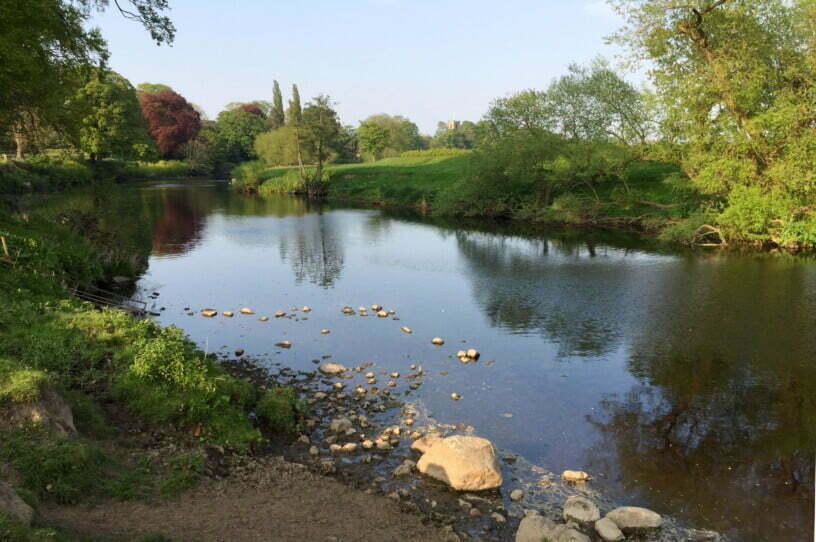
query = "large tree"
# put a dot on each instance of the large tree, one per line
(736, 80)
(236, 132)
(172, 120)
(386, 135)
(276, 114)
(47, 49)
(320, 132)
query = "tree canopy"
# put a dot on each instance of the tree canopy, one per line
(172, 120)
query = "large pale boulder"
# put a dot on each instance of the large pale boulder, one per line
(464, 463)
(332, 369)
(608, 531)
(13, 505)
(535, 528)
(632, 519)
(581, 510)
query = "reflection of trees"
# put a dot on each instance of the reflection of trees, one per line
(721, 425)
(180, 220)
(313, 249)
(535, 284)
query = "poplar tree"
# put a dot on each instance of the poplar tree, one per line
(294, 119)
(276, 116)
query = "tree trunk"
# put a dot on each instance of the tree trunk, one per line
(299, 153)
(19, 140)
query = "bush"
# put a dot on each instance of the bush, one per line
(434, 153)
(280, 409)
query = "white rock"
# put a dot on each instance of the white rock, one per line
(437, 341)
(306, 308)
(382, 314)
(581, 510)
(406, 329)
(330, 368)
(465, 463)
(247, 310)
(280, 314)
(630, 519)
(349, 447)
(608, 531)
(228, 314)
(209, 313)
(340, 425)
(516, 495)
(535, 528)
(575, 476)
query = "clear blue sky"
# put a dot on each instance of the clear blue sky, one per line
(428, 60)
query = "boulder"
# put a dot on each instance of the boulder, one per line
(535, 528)
(438, 341)
(49, 410)
(340, 425)
(14, 506)
(330, 368)
(247, 310)
(404, 469)
(608, 531)
(575, 476)
(634, 519)
(209, 313)
(424, 444)
(464, 463)
(581, 510)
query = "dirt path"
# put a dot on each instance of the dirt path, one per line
(279, 502)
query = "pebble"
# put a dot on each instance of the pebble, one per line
(404, 469)
(264, 318)
(395, 375)
(498, 518)
(516, 495)
(367, 444)
(406, 329)
(239, 352)
(376, 307)
(284, 344)
(247, 310)
(392, 384)
(473, 353)
(382, 314)
(334, 448)
(306, 308)
(575, 476)
(369, 375)
(313, 451)
(349, 447)
(228, 314)
(347, 310)
(455, 396)
(608, 530)
(437, 341)
(304, 439)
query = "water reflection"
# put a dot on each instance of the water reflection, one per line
(314, 249)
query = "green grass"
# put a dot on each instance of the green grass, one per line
(12, 530)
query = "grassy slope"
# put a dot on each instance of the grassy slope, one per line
(655, 194)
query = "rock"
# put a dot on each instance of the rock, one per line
(14, 506)
(228, 314)
(424, 444)
(369, 375)
(395, 375)
(303, 439)
(328, 466)
(330, 368)
(581, 510)
(319, 395)
(575, 476)
(349, 447)
(376, 307)
(347, 310)
(608, 531)
(335, 448)
(696, 535)
(406, 329)
(264, 318)
(48, 410)
(455, 396)
(209, 313)
(120, 279)
(284, 344)
(383, 444)
(325, 331)
(404, 469)
(340, 425)
(247, 310)
(535, 528)
(516, 495)
(633, 519)
(313, 451)
(437, 341)
(306, 308)
(465, 463)
(367, 444)
(239, 352)
(382, 314)
(392, 384)
(473, 353)
(498, 518)
(279, 314)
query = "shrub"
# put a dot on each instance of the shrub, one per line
(434, 153)
(280, 409)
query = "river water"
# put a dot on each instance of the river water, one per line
(684, 382)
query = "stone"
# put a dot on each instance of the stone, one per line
(340, 425)
(376, 307)
(284, 344)
(347, 310)
(48, 410)
(228, 314)
(313, 451)
(120, 279)
(367, 444)
(455, 396)
(328, 466)
(406, 329)
(634, 519)
(395, 375)
(535, 528)
(608, 531)
(383, 444)
(437, 341)
(330, 368)
(422, 445)
(280, 314)
(465, 463)
(516, 495)
(247, 310)
(581, 510)
(239, 352)
(304, 439)
(14, 506)
(405, 468)
(209, 313)
(473, 353)
(349, 447)
(335, 448)
(382, 314)
(325, 331)
(575, 476)
(498, 518)
(264, 318)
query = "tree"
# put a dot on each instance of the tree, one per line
(276, 115)
(236, 133)
(153, 88)
(111, 120)
(385, 135)
(320, 133)
(278, 147)
(172, 121)
(462, 136)
(373, 139)
(736, 80)
(294, 118)
(46, 44)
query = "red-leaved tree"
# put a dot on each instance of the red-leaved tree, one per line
(171, 120)
(253, 109)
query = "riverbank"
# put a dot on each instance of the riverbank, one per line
(649, 197)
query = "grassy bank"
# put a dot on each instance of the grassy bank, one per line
(646, 196)
(54, 173)
(78, 383)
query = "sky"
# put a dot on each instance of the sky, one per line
(428, 60)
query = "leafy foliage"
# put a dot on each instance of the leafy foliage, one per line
(171, 120)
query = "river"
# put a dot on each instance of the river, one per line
(682, 381)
